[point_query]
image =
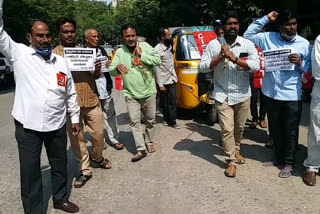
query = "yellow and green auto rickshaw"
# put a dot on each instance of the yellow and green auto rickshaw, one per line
(193, 88)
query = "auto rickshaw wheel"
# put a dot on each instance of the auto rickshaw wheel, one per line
(213, 115)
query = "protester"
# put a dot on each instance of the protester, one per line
(90, 112)
(255, 83)
(218, 30)
(282, 88)
(135, 62)
(104, 88)
(44, 92)
(312, 162)
(231, 84)
(166, 78)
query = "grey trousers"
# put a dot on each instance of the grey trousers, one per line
(110, 120)
(146, 106)
(312, 162)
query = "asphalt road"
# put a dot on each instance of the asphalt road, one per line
(185, 175)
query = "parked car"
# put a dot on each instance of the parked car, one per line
(193, 89)
(6, 73)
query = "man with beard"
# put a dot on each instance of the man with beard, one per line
(135, 62)
(104, 87)
(166, 78)
(44, 93)
(90, 112)
(232, 58)
(282, 88)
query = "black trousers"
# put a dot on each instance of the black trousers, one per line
(257, 92)
(168, 103)
(286, 116)
(30, 145)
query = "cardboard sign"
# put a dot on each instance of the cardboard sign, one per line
(277, 60)
(80, 59)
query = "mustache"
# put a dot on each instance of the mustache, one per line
(45, 44)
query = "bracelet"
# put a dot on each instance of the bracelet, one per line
(235, 61)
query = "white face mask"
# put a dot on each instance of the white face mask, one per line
(286, 36)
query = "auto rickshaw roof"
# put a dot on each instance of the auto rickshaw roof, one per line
(176, 31)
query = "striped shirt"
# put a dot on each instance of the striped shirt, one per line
(231, 83)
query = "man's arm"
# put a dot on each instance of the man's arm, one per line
(7, 45)
(304, 63)
(252, 33)
(149, 56)
(72, 103)
(113, 66)
(253, 59)
(210, 57)
(316, 59)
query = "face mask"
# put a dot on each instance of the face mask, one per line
(286, 36)
(44, 52)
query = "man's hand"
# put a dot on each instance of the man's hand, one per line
(138, 51)
(224, 49)
(97, 68)
(122, 69)
(229, 55)
(75, 129)
(108, 62)
(163, 89)
(295, 59)
(272, 16)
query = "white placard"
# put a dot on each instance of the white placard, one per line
(80, 59)
(277, 60)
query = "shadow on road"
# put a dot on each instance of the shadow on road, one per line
(46, 179)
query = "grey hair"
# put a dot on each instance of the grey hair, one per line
(86, 33)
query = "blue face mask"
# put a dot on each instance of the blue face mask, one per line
(44, 52)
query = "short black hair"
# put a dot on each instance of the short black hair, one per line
(285, 16)
(229, 14)
(125, 27)
(218, 27)
(162, 32)
(63, 20)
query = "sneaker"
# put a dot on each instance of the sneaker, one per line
(176, 126)
(165, 123)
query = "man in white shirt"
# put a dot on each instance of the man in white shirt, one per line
(104, 87)
(44, 93)
(166, 78)
(232, 57)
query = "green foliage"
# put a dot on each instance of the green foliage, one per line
(146, 15)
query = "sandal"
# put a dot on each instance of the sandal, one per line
(309, 178)
(240, 159)
(151, 148)
(104, 163)
(139, 156)
(117, 146)
(81, 181)
(286, 173)
(231, 170)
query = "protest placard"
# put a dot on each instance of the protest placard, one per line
(80, 59)
(277, 60)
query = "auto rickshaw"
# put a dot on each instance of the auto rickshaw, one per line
(193, 89)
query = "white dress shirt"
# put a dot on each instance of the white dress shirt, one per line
(44, 89)
(231, 83)
(165, 73)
